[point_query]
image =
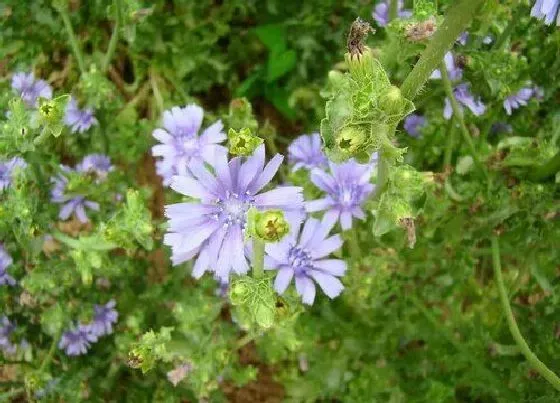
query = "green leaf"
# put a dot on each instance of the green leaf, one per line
(273, 36)
(279, 64)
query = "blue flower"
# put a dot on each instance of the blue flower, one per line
(305, 256)
(463, 38)
(464, 98)
(98, 164)
(29, 89)
(181, 146)
(6, 329)
(77, 341)
(103, 319)
(78, 120)
(7, 170)
(70, 203)
(213, 226)
(347, 187)
(306, 151)
(518, 99)
(5, 262)
(455, 73)
(381, 13)
(414, 123)
(546, 10)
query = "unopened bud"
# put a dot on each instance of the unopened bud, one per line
(243, 142)
(271, 226)
(264, 316)
(350, 139)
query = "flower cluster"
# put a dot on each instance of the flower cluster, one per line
(7, 170)
(30, 90)
(77, 340)
(5, 262)
(181, 146)
(98, 164)
(381, 12)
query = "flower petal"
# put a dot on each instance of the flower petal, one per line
(330, 285)
(283, 279)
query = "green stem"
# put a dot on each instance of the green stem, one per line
(393, 9)
(537, 364)
(354, 245)
(258, 258)
(72, 37)
(382, 174)
(114, 36)
(157, 94)
(549, 168)
(456, 21)
(49, 356)
(458, 116)
(449, 145)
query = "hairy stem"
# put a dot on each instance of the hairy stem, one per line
(458, 116)
(393, 9)
(258, 258)
(456, 21)
(537, 364)
(72, 38)
(382, 172)
(114, 36)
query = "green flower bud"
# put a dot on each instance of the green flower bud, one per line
(350, 139)
(51, 114)
(238, 292)
(392, 101)
(242, 142)
(241, 115)
(271, 226)
(264, 316)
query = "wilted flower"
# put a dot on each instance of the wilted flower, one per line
(455, 73)
(7, 169)
(77, 341)
(5, 262)
(96, 163)
(546, 10)
(179, 373)
(303, 256)
(464, 98)
(103, 319)
(29, 89)
(181, 145)
(381, 13)
(78, 120)
(71, 203)
(347, 186)
(6, 329)
(414, 123)
(213, 227)
(306, 151)
(518, 99)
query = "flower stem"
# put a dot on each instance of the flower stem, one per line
(549, 168)
(49, 356)
(458, 116)
(157, 94)
(258, 258)
(537, 364)
(382, 172)
(72, 37)
(457, 19)
(393, 9)
(114, 36)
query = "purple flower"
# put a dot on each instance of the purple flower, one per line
(455, 73)
(304, 256)
(98, 164)
(381, 13)
(546, 10)
(213, 226)
(7, 169)
(464, 98)
(78, 120)
(414, 123)
(521, 97)
(6, 329)
(5, 261)
(77, 341)
(103, 319)
(71, 203)
(463, 38)
(306, 151)
(29, 89)
(181, 146)
(347, 187)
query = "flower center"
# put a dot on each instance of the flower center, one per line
(233, 209)
(300, 260)
(348, 196)
(189, 146)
